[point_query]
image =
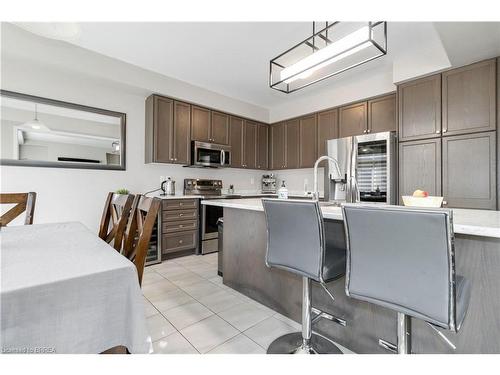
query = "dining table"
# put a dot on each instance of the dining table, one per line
(64, 290)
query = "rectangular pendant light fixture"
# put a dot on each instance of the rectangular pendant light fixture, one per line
(337, 47)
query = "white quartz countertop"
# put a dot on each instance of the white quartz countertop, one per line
(223, 196)
(178, 196)
(472, 222)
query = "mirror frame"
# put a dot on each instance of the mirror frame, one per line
(60, 164)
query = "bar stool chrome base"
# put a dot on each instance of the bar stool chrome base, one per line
(292, 343)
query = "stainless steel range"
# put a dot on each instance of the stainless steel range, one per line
(209, 214)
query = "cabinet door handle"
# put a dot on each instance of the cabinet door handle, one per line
(445, 203)
(181, 241)
(445, 130)
(438, 131)
(181, 215)
(368, 131)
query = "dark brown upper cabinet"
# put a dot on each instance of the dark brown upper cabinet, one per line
(159, 129)
(168, 124)
(200, 125)
(236, 141)
(420, 108)
(249, 144)
(292, 143)
(219, 129)
(469, 99)
(209, 126)
(181, 142)
(308, 141)
(353, 120)
(420, 167)
(328, 128)
(277, 146)
(262, 146)
(382, 114)
(469, 171)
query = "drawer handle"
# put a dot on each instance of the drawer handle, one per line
(181, 241)
(181, 215)
(181, 226)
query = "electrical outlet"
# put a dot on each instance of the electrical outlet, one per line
(306, 183)
(252, 181)
(162, 178)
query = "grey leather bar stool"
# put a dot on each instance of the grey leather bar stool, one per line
(296, 243)
(403, 259)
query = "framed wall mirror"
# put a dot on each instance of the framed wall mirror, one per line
(41, 132)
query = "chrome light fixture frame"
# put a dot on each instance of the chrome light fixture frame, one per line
(274, 66)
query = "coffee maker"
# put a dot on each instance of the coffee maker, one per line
(269, 184)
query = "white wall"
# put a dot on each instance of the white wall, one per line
(79, 194)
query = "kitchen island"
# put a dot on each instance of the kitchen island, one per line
(477, 246)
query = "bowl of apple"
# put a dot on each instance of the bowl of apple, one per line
(422, 198)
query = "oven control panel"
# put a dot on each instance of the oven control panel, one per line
(198, 186)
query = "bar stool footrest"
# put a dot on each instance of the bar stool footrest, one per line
(388, 345)
(321, 314)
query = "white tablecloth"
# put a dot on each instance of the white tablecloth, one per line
(64, 290)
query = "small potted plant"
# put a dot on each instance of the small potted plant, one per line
(122, 191)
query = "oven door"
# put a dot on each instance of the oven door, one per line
(211, 155)
(209, 217)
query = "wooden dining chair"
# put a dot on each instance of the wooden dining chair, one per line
(114, 218)
(139, 230)
(23, 202)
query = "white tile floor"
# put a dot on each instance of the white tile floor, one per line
(190, 311)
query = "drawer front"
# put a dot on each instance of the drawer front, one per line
(179, 241)
(180, 215)
(179, 226)
(179, 204)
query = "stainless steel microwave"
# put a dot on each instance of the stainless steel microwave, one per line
(210, 155)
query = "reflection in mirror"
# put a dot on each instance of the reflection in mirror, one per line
(42, 132)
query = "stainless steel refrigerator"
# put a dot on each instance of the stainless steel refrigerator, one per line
(367, 169)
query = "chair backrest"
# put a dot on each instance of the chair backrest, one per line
(403, 259)
(23, 202)
(295, 236)
(139, 229)
(114, 218)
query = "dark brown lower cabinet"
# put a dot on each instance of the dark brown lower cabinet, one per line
(469, 171)
(420, 167)
(179, 222)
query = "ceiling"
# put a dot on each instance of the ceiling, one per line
(232, 58)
